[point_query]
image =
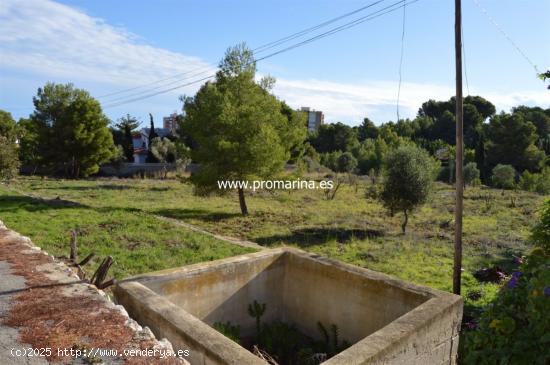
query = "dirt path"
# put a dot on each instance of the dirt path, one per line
(231, 240)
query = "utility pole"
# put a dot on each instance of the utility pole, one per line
(459, 159)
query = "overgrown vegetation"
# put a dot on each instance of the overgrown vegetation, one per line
(362, 233)
(283, 342)
(515, 327)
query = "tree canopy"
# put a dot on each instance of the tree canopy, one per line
(409, 172)
(512, 142)
(71, 130)
(239, 127)
(126, 126)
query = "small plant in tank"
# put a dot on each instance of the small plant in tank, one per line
(283, 342)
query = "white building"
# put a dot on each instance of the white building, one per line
(315, 118)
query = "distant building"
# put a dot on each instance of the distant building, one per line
(170, 122)
(315, 118)
(140, 141)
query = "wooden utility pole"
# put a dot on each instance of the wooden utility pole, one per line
(459, 159)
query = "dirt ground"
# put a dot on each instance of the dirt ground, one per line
(45, 306)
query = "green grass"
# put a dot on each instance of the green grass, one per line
(118, 219)
(138, 241)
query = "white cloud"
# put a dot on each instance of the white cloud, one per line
(45, 38)
(52, 39)
(351, 102)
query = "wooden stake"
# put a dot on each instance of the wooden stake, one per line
(74, 254)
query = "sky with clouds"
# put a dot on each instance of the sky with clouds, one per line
(106, 48)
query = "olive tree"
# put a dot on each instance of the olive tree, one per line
(471, 174)
(409, 173)
(503, 176)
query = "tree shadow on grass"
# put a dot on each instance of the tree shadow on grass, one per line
(159, 188)
(84, 188)
(305, 237)
(200, 214)
(15, 202)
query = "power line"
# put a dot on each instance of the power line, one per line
(464, 61)
(506, 35)
(259, 49)
(335, 30)
(149, 83)
(159, 87)
(401, 60)
(269, 45)
(158, 93)
(342, 27)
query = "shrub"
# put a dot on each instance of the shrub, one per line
(540, 235)
(471, 174)
(543, 183)
(503, 176)
(515, 328)
(528, 181)
(408, 177)
(9, 160)
(346, 163)
(539, 183)
(330, 159)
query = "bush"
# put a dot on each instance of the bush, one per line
(540, 235)
(515, 328)
(528, 181)
(346, 163)
(539, 183)
(543, 183)
(9, 160)
(330, 159)
(471, 174)
(503, 176)
(408, 177)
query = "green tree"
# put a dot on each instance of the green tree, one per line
(512, 142)
(238, 126)
(152, 135)
(8, 127)
(126, 125)
(528, 181)
(333, 137)
(72, 130)
(367, 130)
(471, 174)
(409, 173)
(503, 176)
(346, 163)
(9, 161)
(541, 120)
(164, 150)
(330, 160)
(29, 144)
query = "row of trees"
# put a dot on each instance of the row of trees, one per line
(69, 134)
(520, 139)
(237, 129)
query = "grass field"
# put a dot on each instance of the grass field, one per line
(117, 217)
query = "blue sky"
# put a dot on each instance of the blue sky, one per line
(105, 46)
